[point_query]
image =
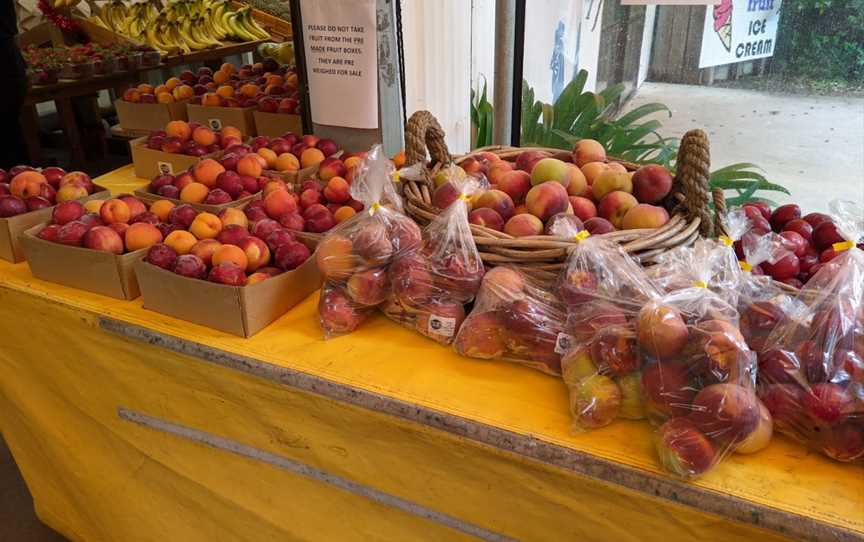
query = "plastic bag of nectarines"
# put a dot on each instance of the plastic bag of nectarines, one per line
(353, 257)
(811, 372)
(514, 318)
(698, 375)
(602, 288)
(430, 286)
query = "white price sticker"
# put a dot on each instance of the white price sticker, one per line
(439, 325)
(215, 124)
(563, 343)
(165, 168)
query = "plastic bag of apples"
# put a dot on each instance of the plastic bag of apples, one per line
(603, 290)
(430, 286)
(354, 256)
(811, 372)
(698, 375)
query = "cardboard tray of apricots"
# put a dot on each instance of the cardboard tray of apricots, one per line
(276, 124)
(239, 310)
(149, 163)
(149, 197)
(12, 228)
(215, 117)
(95, 271)
(148, 117)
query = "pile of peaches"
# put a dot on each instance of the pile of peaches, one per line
(24, 189)
(193, 139)
(524, 195)
(226, 249)
(290, 152)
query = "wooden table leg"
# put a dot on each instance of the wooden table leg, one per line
(66, 112)
(30, 128)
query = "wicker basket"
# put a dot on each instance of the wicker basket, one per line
(543, 256)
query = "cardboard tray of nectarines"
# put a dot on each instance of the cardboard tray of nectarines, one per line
(149, 163)
(276, 124)
(95, 271)
(215, 117)
(149, 197)
(148, 116)
(239, 310)
(13, 227)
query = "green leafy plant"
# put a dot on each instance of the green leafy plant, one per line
(743, 180)
(481, 117)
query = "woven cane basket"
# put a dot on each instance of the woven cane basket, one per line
(543, 256)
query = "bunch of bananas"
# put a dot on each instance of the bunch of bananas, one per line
(181, 26)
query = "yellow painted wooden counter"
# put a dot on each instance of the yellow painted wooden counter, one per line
(129, 425)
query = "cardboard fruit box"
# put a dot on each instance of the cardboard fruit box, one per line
(83, 268)
(150, 162)
(276, 124)
(216, 117)
(149, 197)
(239, 310)
(148, 117)
(13, 227)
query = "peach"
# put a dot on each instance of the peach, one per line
(683, 449)
(617, 167)
(232, 215)
(613, 351)
(250, 165)
(611, 181)
(724, 348)
(232, 234)
(337, 190)
(205, 249)
(181, 241)
(583, 208)
(67, 211)
(278, 203)
(287, 162)
(132, 95)
(142, 235)
(274, 185)
(27, 183)
(162, 209)
(445, 195)
(230, 254)
(331, 167)
(343, 213)
(598, 226)
(372, 243)
(231, 131)
(269, 157)
(576, 365)
(761, 436)
(588, 150)
(546, 200)
(651, 183)
(523, 226)
(563, 225)
(182, 92)
(207, 171)
(498, 201)
(368, 287)
(337, 313)
(577, 185)
(515, 184)
(194, 193)
(595, 401)
(225, 91)
(161, 255)
(614, 206)
(486, 217)
(644, 215)
(257, 253)
(136, 206)
(103, 238)
(727, 413)
(204, 136)
(179, 129)
(498, 169)
(311, 157)
(404, 233)
(480, 337)
(662, 332)
(526, 160)
(115, 210)
(228, 273)
(206, 226)
(632, 403)
(550, 169)
(592, 171)
(827, 403)
(165, 98)
(335, 257)
(77, 178)
(183, 180)
(291, 255)
(520, 209)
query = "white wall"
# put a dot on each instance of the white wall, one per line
(591, 17)
(437, 40)
(483, 46)
(647, 42)
(542, 18)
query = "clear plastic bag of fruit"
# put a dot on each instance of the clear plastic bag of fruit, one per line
(602, 288)
(811, 372)
(515, 318)
(698, 375)
(353, 257)
(429, 287)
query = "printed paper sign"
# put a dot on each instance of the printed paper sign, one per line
(341, 46)
(739, 30)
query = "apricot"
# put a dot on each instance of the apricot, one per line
(182, 92)
(225, 91)
(611, 181)
(114, 210)
(205, 249)
(207, 171)
(335, 257)
(683, 449)
(206, 226)
(211, 99)
(588, 150)
(343, 213)
(651, 183)
(165, 98)
(274, 185)
(27, 184)
(287, 162)
(181, 241)
(595, 401)
(726, 413)
(250, 165)
(480, 337)
(311, 157)
(614, 206)
(546, 200)
(278, 203)
(230, 254)
(257, 253)
(194, 193)
(203, 136)
(487, 217)
(524, 225)
(269, 157)
(550, 170)
(232, 215)
(498, 201)
(142, 235)
(162, 208)
(644, 215)
(179, 129)
(337, 190)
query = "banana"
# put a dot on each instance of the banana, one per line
(189, 35)
(215, 20)
(207, 21)
(252, 27)
(239, 29)
(177, 38)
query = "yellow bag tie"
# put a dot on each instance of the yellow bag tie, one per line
(746, 267)
(726, 240)
(700, 284)
(374, 208)
(581, 236)
(397, 177)
(843, 245)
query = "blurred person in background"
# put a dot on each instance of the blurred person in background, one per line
(12, 68)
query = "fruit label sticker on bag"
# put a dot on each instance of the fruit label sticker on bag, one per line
(563, 343)
(439, 325)
(215, 124)
(165, 168)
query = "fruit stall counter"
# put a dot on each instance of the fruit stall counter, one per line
(131, 425)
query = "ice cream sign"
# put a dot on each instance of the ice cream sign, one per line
(739, 30)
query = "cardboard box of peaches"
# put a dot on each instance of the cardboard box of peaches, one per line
(27, 197)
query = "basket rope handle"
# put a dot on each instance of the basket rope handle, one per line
(692, 173)
(422, 132)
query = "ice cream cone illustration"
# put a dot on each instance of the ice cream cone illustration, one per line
(723, 23)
